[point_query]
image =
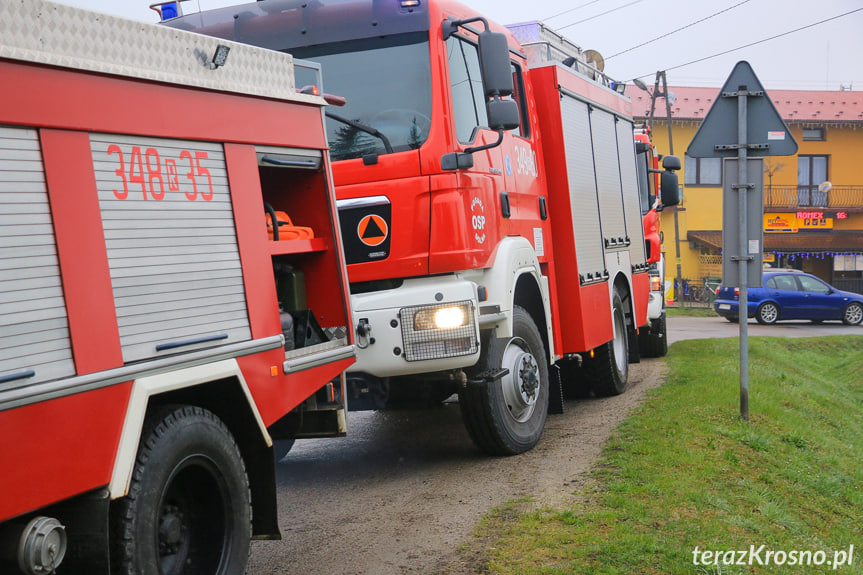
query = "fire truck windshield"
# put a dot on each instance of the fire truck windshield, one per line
(387, 84)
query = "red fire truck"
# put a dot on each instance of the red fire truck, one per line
(489, 207)
(153, 340)
(542, 44)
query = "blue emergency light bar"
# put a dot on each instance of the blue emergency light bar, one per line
(167, 10)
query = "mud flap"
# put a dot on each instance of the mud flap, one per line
(632, 336)
(555, 390)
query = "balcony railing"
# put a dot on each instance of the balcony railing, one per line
(840, 197)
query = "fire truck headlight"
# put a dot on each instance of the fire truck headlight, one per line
(447, 317)
(655, 283)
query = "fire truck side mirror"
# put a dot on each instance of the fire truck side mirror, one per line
(494, 64)
(669, 187)
(502, 114)
(671, 163)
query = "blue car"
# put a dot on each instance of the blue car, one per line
(791, 294)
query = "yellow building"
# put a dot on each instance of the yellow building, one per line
(813, 202)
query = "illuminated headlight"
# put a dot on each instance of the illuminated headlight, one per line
(449, 317)
(439, 330)
(655, 283)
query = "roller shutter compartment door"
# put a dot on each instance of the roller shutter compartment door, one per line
(171, 243)
(584, 203)
(34, 328)
(605, 156)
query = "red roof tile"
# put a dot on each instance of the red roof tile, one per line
(793, 105)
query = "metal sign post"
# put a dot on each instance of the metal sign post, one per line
(760, 131)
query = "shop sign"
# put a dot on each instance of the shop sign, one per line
(814, 221)
(791, 223)
(780, 223)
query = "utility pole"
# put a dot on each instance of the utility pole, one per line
(663, 93)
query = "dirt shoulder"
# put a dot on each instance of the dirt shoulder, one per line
(406, 489)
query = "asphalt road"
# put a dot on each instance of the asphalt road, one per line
(680, 328)
(406, 488)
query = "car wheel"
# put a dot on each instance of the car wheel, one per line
(767, 313)
(853, 314)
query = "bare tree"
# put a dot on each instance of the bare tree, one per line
(770, 168)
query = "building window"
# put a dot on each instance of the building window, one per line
(811, 173)
(814, 135)
(702, 171)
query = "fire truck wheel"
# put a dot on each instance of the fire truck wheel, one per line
(506, 416)
(188, 509)
(653, 342)
(608, 369)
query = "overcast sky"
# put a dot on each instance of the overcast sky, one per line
(821, 57)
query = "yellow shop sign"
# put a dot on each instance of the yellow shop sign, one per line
(791, 223)
(780, 223)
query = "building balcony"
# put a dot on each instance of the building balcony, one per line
(798, 197)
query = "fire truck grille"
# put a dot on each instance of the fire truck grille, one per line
(424, 340)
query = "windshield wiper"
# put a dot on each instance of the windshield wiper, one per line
(363, 128)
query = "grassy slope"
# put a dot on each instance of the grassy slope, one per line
(686, 471)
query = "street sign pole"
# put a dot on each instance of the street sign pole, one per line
(744, 249)
(742, 216)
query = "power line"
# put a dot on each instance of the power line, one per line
(676, 31)
(756, 43)
(571, 10)
(600, 14)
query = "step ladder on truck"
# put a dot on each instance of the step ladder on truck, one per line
(488, 202)
(155, 340)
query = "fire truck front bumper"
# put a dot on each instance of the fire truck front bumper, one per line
(655, 305)
(425, 325)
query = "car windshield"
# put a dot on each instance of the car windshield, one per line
(387, 84)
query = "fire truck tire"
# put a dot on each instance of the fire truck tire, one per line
(653, 342)
(608, 369)
(188, 509)
(506, 416)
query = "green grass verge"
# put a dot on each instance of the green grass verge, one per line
(685, 471)
(677, 311)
